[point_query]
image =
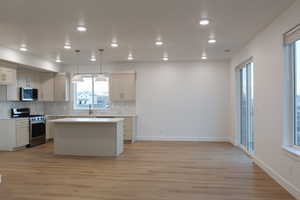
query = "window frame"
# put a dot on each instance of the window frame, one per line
(292, 61)
(289, 142)
(247, 68)
(93, 107)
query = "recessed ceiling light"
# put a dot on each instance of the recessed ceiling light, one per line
(23, 48)
(114, 44)
(93, 59)
(67, 46)
(165, 58)
(81, 28)
(159, 43)
(204, 22)
(212, 41)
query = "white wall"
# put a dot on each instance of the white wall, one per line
(179, 101)
(267, 51)
(183, 101)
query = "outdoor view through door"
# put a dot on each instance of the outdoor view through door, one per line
(246, 106)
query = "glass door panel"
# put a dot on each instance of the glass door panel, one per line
(246, 107)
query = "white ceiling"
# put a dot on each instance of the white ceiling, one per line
(45, 26)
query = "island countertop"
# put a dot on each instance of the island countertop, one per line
(88, 120)
(108, 115)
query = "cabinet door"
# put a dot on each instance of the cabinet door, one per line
(12, 93)
(122, 87)
(46, 92)
(61, 88)
(22, 133)
(8, 76)
(8, 82)
(116, 87)
(129, 87)
(128, 129)
(2, 77)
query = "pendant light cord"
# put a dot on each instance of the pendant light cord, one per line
(77, 53)
(101, 60)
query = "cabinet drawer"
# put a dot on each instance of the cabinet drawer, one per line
(22, 122)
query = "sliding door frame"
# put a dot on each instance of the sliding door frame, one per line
(247, 143)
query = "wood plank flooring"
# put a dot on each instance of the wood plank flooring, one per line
(145, 171)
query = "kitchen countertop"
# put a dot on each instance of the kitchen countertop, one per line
(79, 116)
(88, 120)
(96, 115)
(9, 118)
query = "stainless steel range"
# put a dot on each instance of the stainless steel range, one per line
(37, 130)
(37, 125)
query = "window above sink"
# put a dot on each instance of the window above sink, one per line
(91, 92)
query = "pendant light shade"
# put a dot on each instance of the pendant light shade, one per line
(77, 77)
(101, 77)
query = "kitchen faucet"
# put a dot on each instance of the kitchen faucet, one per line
(90, 109)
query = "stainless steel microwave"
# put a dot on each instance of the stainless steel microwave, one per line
(28, 94)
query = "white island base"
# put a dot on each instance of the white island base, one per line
(88, 136)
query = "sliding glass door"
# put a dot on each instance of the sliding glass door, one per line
(246, 106)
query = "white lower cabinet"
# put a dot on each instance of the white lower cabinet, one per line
(14, 133)
(22, 132)
(129, 129)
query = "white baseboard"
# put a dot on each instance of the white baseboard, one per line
(278, 178)
(183, 139)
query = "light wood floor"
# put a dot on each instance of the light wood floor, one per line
(145, 171)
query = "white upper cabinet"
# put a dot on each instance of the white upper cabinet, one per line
(61, 87)
(8, 76)
(54, 87)
(46, 92)
(122, 87)
(8, 84)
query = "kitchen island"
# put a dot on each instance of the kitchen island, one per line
(88, 136)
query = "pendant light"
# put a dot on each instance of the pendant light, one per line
(100, 77)
(77, 77)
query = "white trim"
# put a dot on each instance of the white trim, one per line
(187, 139)
(241, 65)
(278, 178)
(292, 151)
(250, 154)
(292, 35)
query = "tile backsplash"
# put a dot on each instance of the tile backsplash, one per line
(35, 107)
(67, 108)
(61, 108)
